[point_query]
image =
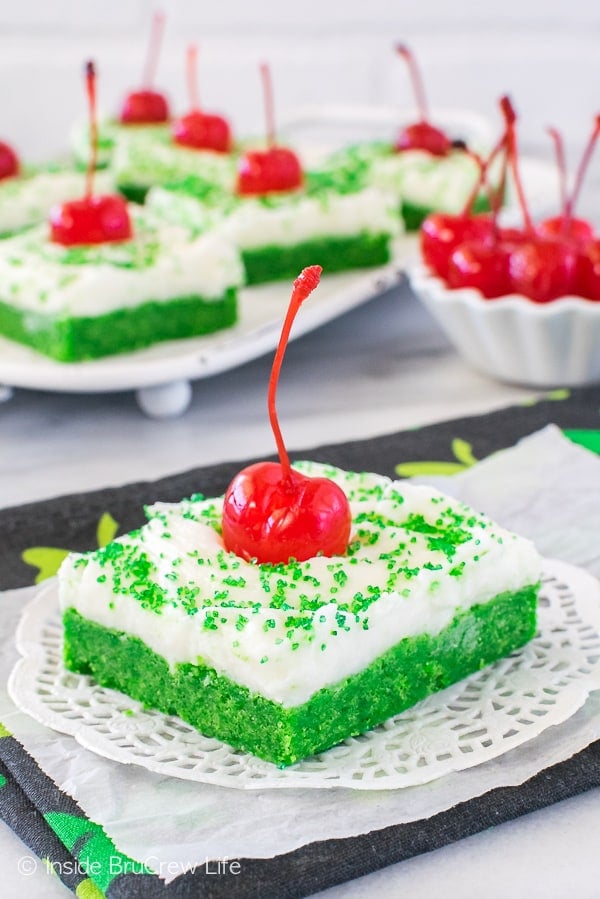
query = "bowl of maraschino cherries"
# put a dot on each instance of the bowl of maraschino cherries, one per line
(521, 304)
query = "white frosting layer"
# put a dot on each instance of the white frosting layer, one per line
(341, 613)
(144, 158)
(109, 132)
(27, 200)
(253, 224)
(425, 180)
(161, 262)
(285, 220)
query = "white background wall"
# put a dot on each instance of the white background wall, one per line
(545, 53)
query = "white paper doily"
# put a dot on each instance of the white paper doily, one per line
(479, 718)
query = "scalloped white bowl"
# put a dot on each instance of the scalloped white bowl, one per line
(554, 344)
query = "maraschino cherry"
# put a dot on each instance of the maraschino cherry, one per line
(443, 233)
(197, 129)
(422, 135)
(587, 280)
(274, 170)
(539, 267)
(565, 226)
(482, 262)
(9, 162)
(147, 106)
(272, 513)
(92, 219)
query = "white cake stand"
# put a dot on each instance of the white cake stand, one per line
(161, 376)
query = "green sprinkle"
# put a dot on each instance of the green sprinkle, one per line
(241, 622)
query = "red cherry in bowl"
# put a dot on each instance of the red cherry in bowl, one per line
(576, 231)
(565, 226)
(272, 513)
(542, 269)
(144, 107)
(481, 266)
(441, 233)
(588, 272)
(90, 220)
(9, 162)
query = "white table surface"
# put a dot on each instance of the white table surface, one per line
(378, 369)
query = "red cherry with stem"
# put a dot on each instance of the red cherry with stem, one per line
(484, 264)
(144, 107)
(92, 219)
(512, 156)
(442, 233)
(583, 167)
(200, 130)
(565, 226)
(275, 169)
(542, 269)
(147, 106)
(481, 266)
(587, 282)
(512, 237)
(9, 162)
(576, 231)
(272, 513)
(421, 135)
(539, 268)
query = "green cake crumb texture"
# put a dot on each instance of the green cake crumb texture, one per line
(335, 254)
(217, 707)
(71, 339)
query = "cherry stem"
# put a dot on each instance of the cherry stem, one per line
(483, 167)
(267, 82)
(90, 85)
(561, 164)
(153, 51)
(500, 191)
(304, 285)
(416, 79)
(510, 117)
(583, 165)
(192, 76)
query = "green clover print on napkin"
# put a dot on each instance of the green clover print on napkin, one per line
(461, 450)
(47, 559)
